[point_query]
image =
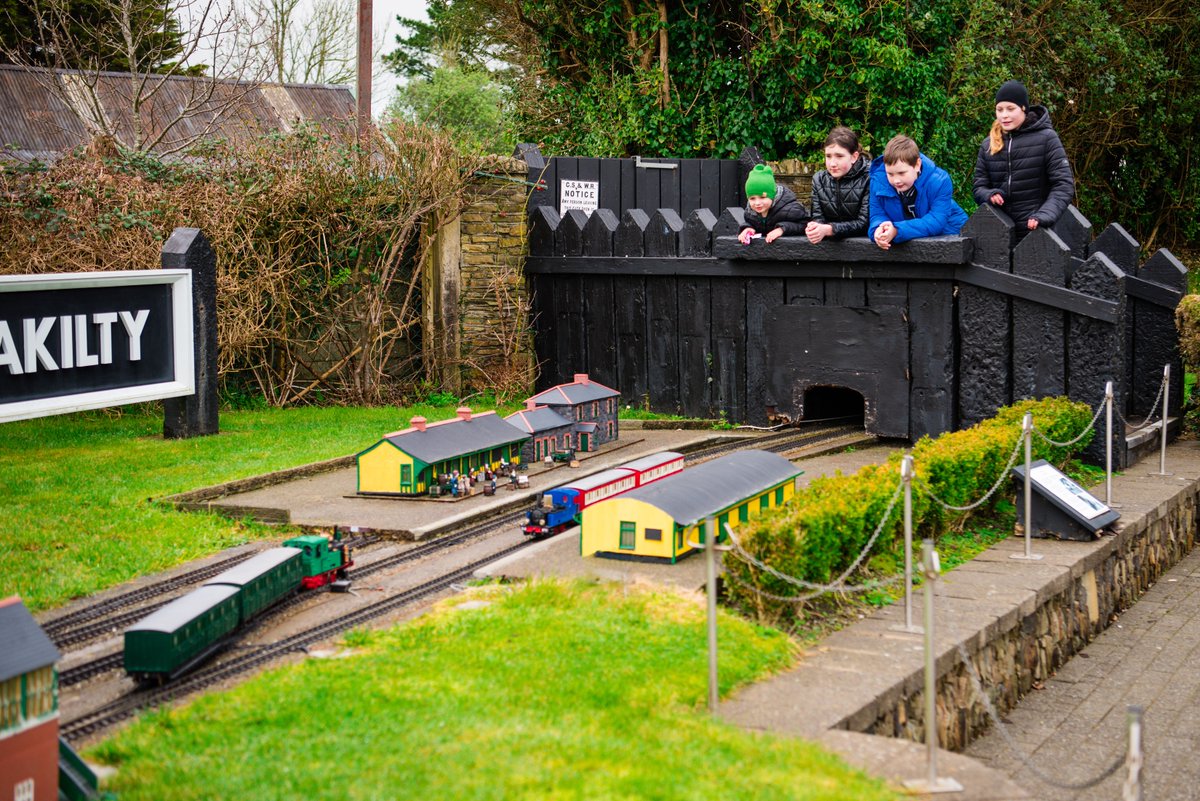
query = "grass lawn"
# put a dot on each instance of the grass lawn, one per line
(76, 489)
(550, 691)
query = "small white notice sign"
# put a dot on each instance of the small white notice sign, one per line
(582, 195)
(1067, 491)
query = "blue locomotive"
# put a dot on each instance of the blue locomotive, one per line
(559, 508)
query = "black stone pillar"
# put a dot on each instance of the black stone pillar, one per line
(196, 415)
(985, 342)
(1096, 352)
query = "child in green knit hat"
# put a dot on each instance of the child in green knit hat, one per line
(772, 209)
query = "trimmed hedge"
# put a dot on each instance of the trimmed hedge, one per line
(824, 527)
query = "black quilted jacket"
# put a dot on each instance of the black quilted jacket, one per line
(1031, 171)
(786, 212)
(844, 203)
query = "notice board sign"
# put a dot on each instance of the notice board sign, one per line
(582, 195)
(76, 341)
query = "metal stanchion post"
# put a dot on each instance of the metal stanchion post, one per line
(1027, 432)
(1108, 442)
(931, 783)
(1131, 790)
(1166, 397)
(906, 477)
(710, 561)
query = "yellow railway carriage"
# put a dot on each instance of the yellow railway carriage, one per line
(656, 522)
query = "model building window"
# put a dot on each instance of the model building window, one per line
(654, 534)
(764, 501)
(628, 534)
(779, 496)
(10, 703)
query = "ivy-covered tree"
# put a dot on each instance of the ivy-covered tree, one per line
(683, 78)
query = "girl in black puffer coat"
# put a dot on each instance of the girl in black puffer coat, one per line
(1022, 167)
(840, 201)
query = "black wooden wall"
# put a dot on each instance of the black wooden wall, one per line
(935, 334)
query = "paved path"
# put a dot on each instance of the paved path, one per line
(1075, 726)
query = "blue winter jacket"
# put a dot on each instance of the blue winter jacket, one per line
(937, 213)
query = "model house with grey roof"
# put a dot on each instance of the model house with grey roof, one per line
(591, 407)
(548, 431)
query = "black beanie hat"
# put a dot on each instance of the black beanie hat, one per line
(1013, 92)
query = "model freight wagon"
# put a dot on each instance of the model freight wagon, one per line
(656, 522)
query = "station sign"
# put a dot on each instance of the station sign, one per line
(1061, 508)
(74, 341)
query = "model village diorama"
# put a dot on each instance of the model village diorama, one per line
(619, 515)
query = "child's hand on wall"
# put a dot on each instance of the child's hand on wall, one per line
(884, 234)
(746, 235)
(816, 231)
(774, 234)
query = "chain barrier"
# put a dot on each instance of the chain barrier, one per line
(838, 584)
(1130, 427)
(1082, 434)
(999, 481)
(1002, 730)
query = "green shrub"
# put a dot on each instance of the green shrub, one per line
(822, 530)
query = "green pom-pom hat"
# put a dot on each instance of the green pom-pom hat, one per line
(761, 182)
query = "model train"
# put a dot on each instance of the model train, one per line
(177, 637)
(559, 508)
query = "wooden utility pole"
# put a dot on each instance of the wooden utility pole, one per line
(364, 69)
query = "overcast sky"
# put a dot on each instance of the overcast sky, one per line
(384, 14)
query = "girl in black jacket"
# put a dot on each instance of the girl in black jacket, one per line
(1022, 167)
(840, 200)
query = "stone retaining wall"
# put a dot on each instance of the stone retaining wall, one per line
(1021, 650)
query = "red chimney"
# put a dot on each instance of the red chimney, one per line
(464, 412)
(581, 378)
(530, 405)
(418, 423)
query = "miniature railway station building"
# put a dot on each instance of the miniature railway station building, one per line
(409, 462)
(548, 431)
(591, 407)
(655, 522)
(28, 707)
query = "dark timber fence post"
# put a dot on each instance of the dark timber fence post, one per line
(543, 225)
(196, 415)
(1122, 250)
(985, 348)
(1039, 367)
(696, 238)
(1156, 340)
(568, 237)
(1075, 230)
(599, 232)
(630, 239)
(662, 233)
(1096, 351)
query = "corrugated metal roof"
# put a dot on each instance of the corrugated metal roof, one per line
(713, 486)
(537, 420)
(241, 574)
(457, 437)
(26, 646)
(35, 121)
(183, 610)
(573, 393)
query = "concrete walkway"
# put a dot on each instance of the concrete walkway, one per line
(1076, 725)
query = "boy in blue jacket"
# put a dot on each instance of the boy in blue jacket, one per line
(911, 197)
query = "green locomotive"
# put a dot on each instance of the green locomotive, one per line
(180, 635)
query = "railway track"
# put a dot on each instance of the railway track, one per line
(103, 617)
(792, 442)
(126, 706)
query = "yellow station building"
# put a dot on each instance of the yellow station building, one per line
(408, 462)
(656, 522)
